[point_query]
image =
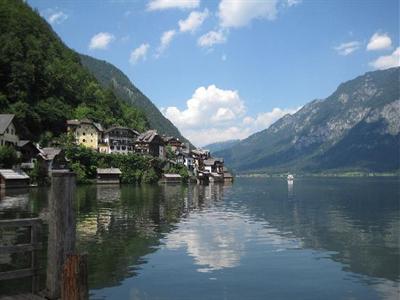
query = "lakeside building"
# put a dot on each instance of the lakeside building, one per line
(86, 132)
(8, 132)
(118, 139)
(173, 142)
(13, 179)
(150, 142)
(28, 153)
(108, 176)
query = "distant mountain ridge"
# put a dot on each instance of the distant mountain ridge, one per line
(218, 146)
(110, 76)
(356, 128)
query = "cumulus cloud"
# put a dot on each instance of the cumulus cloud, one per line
(168, 4)
(139, 53)
(193, 21)
(213, 114)
(347, 48)
(237, 13)
(101, 40)
(165, 40)
(387, 61)
(379, 42)
(211, 38)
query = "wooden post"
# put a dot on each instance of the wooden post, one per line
(62, 228)
(34, 257)
(75, 278)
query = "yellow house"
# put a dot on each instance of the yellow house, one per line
(8, 133)
(86, 132)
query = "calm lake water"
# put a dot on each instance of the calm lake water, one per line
(256, 239)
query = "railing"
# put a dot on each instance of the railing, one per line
(35, 226)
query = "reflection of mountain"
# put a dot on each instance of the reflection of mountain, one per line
(354, 219)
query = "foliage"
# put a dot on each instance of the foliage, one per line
(179, 169)
(39, 174)
(135, 168)
(44, 83)
(8, 157)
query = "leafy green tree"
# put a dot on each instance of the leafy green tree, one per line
(8, 157)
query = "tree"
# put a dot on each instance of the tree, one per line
(8, 157)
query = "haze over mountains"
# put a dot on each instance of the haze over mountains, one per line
(355, 129)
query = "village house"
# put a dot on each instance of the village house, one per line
(174, 143)
(86, 132)
(150, 142)
(214, 165)
(8, 133)
(53, 159)
(118, 139)
(28, 153)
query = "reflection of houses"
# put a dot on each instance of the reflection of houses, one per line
(150, 142)
(86, 132)
(13, 179)
(108, 176)
(28, 153)
(8, 134)
(119, 140)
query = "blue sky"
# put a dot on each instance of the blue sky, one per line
(225, 69)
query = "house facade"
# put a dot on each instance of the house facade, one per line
(8, 132)
(86, 132)
(118, 139)
(150, 142)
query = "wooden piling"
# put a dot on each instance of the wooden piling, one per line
(75, 278)
(61, 240)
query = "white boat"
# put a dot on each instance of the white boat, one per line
(290, 178)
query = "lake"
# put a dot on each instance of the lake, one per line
(259, 238)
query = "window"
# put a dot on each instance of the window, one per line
(83, 133)
(123, 147)
(12, 131)
(84, 140)
(112, 147)
(7, 130)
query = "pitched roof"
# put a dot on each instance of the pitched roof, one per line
(11, 174)
(5, 120)
(170, 175)
(148, 136)
(76, 122)
(22, 143)
(121, 128)
(109, 171)
(49, 152)
(212, 161)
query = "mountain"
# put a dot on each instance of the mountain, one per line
(43, 82)
(218, 146)
(111, 77)
(355, 129)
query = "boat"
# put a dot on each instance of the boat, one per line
(290, 178)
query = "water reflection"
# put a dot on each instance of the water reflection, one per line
(322, 239)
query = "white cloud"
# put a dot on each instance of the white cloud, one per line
(165, 40)
(293, 2)
(213, 114)
(139, 53)
(193, 21)
(387, 61)
(347, 48)
(57, 17)
(101, 40)
(167, 4)
(238, 13)
(379, 42)
(211, 38)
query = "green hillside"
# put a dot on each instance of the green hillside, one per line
(43, 82)
(357, 128)
(111, 77)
